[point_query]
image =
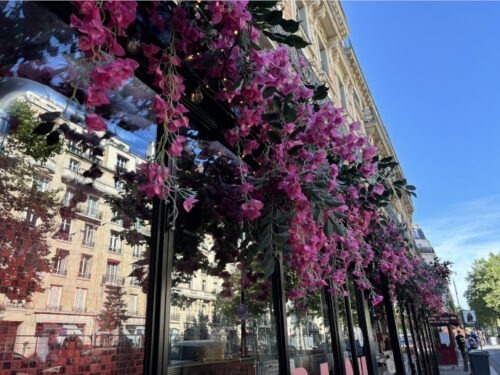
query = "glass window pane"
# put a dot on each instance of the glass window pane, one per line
(76, 261)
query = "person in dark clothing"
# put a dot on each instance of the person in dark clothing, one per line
(460, 340)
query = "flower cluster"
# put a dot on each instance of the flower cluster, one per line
(313, 189)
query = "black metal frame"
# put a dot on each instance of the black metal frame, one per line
(366, 327)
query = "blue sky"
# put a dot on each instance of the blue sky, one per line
(433, 69)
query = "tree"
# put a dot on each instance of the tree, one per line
(27, 207)
(483, 290)
(114, 312)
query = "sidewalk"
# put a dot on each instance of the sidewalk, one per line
(459, 369)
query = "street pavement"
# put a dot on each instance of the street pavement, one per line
(459, 369)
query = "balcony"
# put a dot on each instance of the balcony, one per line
(79, 309)
(63, 236)
(83, 154)
(112, 280)
(134, 281)
(115, 250)
(92, 214)
(87, 243)
(132, 312)
(84, 275)
(54, 307)
(60, 272)
(49, 165)
(104, 188)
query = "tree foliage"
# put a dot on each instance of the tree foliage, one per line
(483, 290)
(27, 208)
(114, 312)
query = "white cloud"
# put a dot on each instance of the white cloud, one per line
(463, 233)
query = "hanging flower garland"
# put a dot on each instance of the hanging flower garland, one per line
(314, 192)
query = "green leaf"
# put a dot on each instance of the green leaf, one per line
(237, 84)
(339, 228)
(290, 26)
(262, 4)
(290, 114)
(332, 202)
(274, 18)
(328, 228)
(296, 41)
(274, 136)
(44, 128)
(49, 116)
(410, 187)
(320, 92)
(269, 117)
(295, 150)
(53, 138)
(268, 264)
(268, 92)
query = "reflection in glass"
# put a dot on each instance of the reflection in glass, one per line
(73, 262)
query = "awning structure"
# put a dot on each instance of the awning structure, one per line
(444, 319)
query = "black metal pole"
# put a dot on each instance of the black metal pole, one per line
(352, 337)
(407, 341)
(279, 304)
(414, 338)
(156, 350)
(338, 347)
(423, 358)
(393, 331)
(432, 342)
(366, 327)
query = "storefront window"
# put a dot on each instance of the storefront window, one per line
(73, 290)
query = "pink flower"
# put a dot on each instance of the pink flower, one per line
(176, 147)
(379, 189)
(95, 123)
(251, 209)
(377, 300)
(188, 203)
(96, 96)
(369, 153)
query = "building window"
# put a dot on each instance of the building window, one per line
(61, 262)
(68, 196)
(132, 305)
(204, 285)
(88, 235)
(115, 243)
(115, 219)
(74, 146)
(92, 207)
(85, 264)
(121, 163)
(41, 184)
(80, 300)
(112, 274)
(323, 53)
(343, 101)
(134, 281)
(64, 233)
(302, 18)
(136, 251)
(74, 165)
(54, 300)
(120, 186)
(216, 287)
(31, 218)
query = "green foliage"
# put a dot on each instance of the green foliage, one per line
(266, 19)
(28, 133)
(483, 290)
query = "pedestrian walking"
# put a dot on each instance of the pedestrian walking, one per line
(462, 345)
